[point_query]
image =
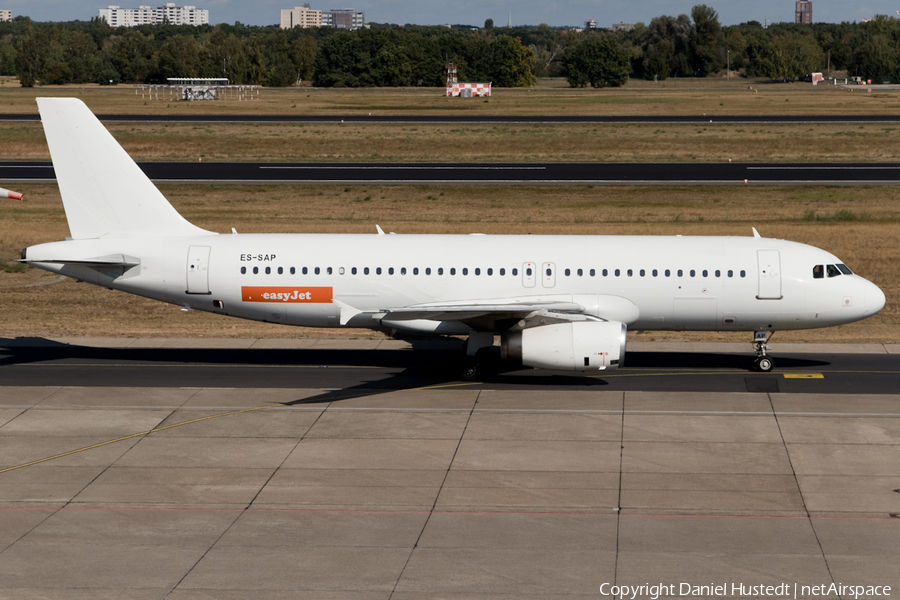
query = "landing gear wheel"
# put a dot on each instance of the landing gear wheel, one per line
(764, 364)
(470, 371)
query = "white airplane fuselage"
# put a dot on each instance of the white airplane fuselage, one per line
(646, 282)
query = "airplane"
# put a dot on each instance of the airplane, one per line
(557, 302)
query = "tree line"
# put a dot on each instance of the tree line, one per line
(694, 45)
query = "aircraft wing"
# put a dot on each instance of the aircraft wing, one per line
(464, 312)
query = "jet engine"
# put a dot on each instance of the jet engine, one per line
(569, 346)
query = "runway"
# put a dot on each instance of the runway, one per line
(485, 119)
(246, 483)
(493, 173)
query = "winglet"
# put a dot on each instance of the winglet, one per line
(380, 230)
(755, 233)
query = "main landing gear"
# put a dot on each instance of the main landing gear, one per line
(763, 362)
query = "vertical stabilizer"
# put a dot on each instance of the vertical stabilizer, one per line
(104, 192)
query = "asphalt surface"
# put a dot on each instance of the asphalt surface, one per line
(492, 173)
(486, 119)
(356, 373)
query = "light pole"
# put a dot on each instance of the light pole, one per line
(728, 65)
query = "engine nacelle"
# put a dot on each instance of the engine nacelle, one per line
(575, 346)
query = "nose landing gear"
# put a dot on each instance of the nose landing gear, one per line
(763, 362)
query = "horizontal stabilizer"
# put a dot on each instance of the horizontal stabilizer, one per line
(113, 260)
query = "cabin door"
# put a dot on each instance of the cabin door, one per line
(769, 275)
(198, 270)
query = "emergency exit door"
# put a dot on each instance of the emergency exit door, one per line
(198, 270)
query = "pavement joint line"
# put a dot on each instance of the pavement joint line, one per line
(536, 513)
(198, 365)
(128, 437)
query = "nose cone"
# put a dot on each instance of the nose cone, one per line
(874, 299)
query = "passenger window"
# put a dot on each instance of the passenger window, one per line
(668, 273)
(693, 273)
(415, 270)
(568, 272)
(390, 270)
(730, 273)
(269, 271)
(527, 271)
(718, 273)
(428, 270)
(580, 273)
(403, 270)
(630, 272)
(317, 270)
(440, 270)
(743, 273)
(593, 272)
(255, 270)
(365, 270)
(643, 272)
(305, 270)
(549, 272)
(293, 271)
(655, 273)
(844, 269)
(328, 270)
(502, 272)
(465, 271)
(243, 270)
(340, 270)
(605, 272)
(453, 270)
(818, 271)
(490, 271)
(680, 273)
(514, 272)
(378, 270)
(280, 271)
(617, 272)
(832, 270)
(477, 271)
(353, 271)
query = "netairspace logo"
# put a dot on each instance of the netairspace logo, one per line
(736, 590)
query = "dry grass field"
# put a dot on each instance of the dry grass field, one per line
(361, 142)
(860, 225)
(689, 96)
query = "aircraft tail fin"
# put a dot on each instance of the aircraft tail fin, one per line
(104, 192)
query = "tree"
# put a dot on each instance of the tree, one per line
(488, 24)
(510, 63)
(707, 40)
(598, 61)
(788, 57)
(131, 54)
(303, 55)
(179, 56)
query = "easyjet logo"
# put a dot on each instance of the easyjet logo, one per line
(286, 294)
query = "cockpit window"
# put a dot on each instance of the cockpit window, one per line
(818, 271)
(844, 269)
(832, 270)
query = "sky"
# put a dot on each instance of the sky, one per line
(524, 12)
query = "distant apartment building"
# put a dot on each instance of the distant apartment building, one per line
(590, 24)
(300, 16)
(5, 15)
(343, 18)
(146, 15)
(803, 11)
